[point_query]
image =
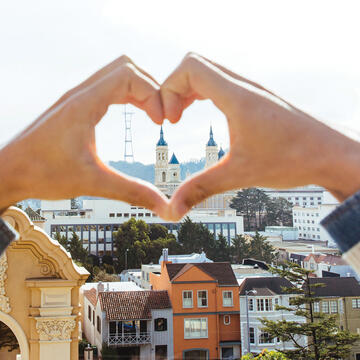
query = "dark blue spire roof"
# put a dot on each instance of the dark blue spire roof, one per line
(211, 141)
(221, 153)
(161, 141)
(173, 160)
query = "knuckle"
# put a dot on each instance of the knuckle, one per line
(198, 194)
(123, 59)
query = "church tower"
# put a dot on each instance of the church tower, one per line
(161, 163)
(174, 170)
(211, 151)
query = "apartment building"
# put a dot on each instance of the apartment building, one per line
(260, 295)
(340, 297)
(205, 302)
(136, 324)
(307, 219)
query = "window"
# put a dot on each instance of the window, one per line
(227, 319)
(161, 352)
(164, 177)
(160, 324)
(93, 317)
(118, 215)
(355, 303)
(264, 338)
(112, 215)
(264, 304)
(89, 312)
(227, 298)
(126, 215)
(325, 307)
(252, 335)
(187, 299)
(251, 304)
(98, 325)
(316, 307)
(195, 328)
(333, 307)
(202, 298)
(112, 327)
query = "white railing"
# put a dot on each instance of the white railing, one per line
(130, 339)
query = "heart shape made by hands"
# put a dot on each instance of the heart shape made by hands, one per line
(265, 146)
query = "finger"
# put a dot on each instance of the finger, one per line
(196, 78)
(212, 181)
(108, 183)
(125, 84)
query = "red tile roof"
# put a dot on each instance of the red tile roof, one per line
(326, 259)
(91, 296)
(133, 305)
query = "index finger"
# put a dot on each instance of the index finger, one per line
(197, 78)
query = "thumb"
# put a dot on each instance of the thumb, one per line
(212, 181)
(114, 185)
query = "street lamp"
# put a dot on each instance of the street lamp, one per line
(126, 251)
(247, 292)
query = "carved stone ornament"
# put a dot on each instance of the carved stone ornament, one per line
(55, 329)
(4, 300)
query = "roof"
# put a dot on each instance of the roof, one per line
(33, 215)
(221, 153)
(336, 286)
(211, 141)
(91, 295)
(161, 141)
(113, 286)
(265, 286)
(326, 259)
(173, 159)
(128, 305)
(219, 271)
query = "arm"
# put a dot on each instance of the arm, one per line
(55, 157)
(272, 144)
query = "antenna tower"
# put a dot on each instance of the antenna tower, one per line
(128, 153)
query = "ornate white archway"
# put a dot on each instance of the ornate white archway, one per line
(18, 332)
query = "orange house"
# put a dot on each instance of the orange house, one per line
(205, 301)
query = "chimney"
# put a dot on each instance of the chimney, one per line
(108, 287)
(165, 254)
(100, 287)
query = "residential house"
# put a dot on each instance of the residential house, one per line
(260, 295)
(340, 297)
(205, 304)
(323, 264)
(136, 323)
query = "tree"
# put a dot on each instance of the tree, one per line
(222, 249)
(325, 340)
(62, 240)
(158, 231)
(103, 276)
(195, 237)
(76, 249)
(279, 212)
(251, 204)
(255, 247)
(240, 248)
(265, 355)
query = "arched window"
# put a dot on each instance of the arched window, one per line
(163, 176)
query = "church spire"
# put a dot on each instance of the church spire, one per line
(161, 141)
(211, 141)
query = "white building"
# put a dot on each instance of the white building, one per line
(131, 275)
(263, 293)
(99, 218)
(135, 323)
(307, 220)
(304, 196)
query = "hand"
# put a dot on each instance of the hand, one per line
(272, 144)
(55, 158)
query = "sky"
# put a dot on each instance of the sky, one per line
(306, 51)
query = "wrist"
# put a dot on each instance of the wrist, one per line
(340, 170)
(12, 178)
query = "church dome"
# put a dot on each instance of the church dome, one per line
(161, 141)
(221, 153)
(211, 141)
(173, 160)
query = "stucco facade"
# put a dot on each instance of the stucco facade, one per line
(39, 293)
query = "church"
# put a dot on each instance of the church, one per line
(167, 173)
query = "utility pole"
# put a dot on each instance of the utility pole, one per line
(128, 153)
